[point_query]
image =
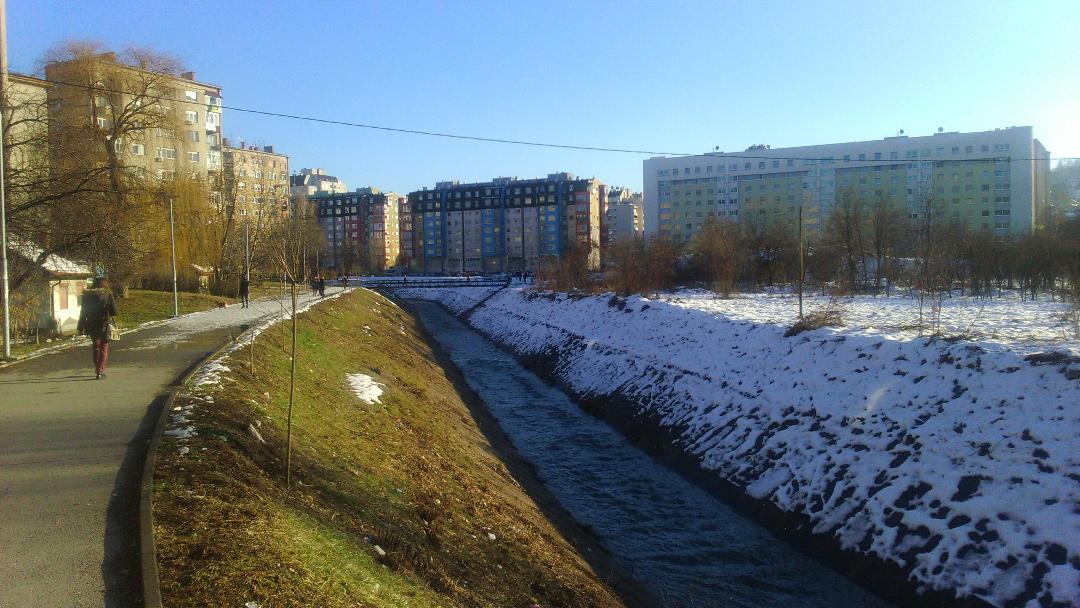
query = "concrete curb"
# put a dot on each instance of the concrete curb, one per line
(151, 584)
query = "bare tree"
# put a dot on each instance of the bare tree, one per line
(845, 229)
(719, 254)
(886, 228)
(129, 102)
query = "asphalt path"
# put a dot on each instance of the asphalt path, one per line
(71, 456)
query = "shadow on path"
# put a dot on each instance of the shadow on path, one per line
(121, 568)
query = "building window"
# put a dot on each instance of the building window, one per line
(193, 157)
(191, 96)
(137, 149)
(167, 153)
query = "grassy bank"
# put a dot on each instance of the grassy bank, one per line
(398, 503)
(141, 306)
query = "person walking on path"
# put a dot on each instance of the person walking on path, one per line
(322, 286)
(245, 288)
(95, 319)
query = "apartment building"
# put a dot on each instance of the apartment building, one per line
(165, 125)
(507, 224)
(625, 220)
(26, 141)
(988, 180)
(406, 250)
(256, 179)
(361, 230)
(312, 182)
(625, 215)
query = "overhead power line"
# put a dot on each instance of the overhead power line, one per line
(519, 142)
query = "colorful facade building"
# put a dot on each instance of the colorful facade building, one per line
(405, 234)
(361, 230)
(505, 225)
(990, 180)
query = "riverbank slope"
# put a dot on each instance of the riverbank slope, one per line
(398, 496)
(955, 460)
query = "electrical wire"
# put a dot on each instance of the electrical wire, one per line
(519, 142)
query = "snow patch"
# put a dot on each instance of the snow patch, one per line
(365, 387)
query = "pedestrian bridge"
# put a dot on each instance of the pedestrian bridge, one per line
(432, 282)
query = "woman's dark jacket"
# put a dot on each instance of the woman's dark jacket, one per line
(98, 310)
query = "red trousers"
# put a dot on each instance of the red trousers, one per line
(101, 354)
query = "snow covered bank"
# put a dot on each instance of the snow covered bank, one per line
(958, 460)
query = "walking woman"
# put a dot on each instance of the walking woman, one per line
(98, 310)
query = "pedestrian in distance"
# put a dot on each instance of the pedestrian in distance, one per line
(405, 280)
(322, 286)
(96, 322)
(245, 287)
(344, 281)
(314, 284)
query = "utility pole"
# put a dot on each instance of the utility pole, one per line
(801, 270)
(3, 195)
(463, 239)
(172, 245)
(247, 252)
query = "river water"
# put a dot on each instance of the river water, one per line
(685, 545)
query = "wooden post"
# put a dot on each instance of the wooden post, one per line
(292, 395)
(292, 378)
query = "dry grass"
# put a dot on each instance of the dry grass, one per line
(413, 475)
(830, 316)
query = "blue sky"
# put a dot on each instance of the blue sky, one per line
(668, 76)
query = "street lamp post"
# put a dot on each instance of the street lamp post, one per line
(172, 247)
(3, 198)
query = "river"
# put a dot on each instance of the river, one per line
(678, 540)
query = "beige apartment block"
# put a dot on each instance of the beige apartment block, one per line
(256, 181)
(26, 139)
(162, 124)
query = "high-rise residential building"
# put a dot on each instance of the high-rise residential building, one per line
(625, 219)
(27, 103)
(256, 179)
(405, 234)
(360, 230)
(167, 125)
(625, 215)
(988, 180)
(507, 224)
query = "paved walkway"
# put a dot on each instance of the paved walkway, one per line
(71, 454)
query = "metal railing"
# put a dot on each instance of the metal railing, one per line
(433, 283)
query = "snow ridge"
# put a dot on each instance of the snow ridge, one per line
(958, 460)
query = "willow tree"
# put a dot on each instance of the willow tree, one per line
(105, 111)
